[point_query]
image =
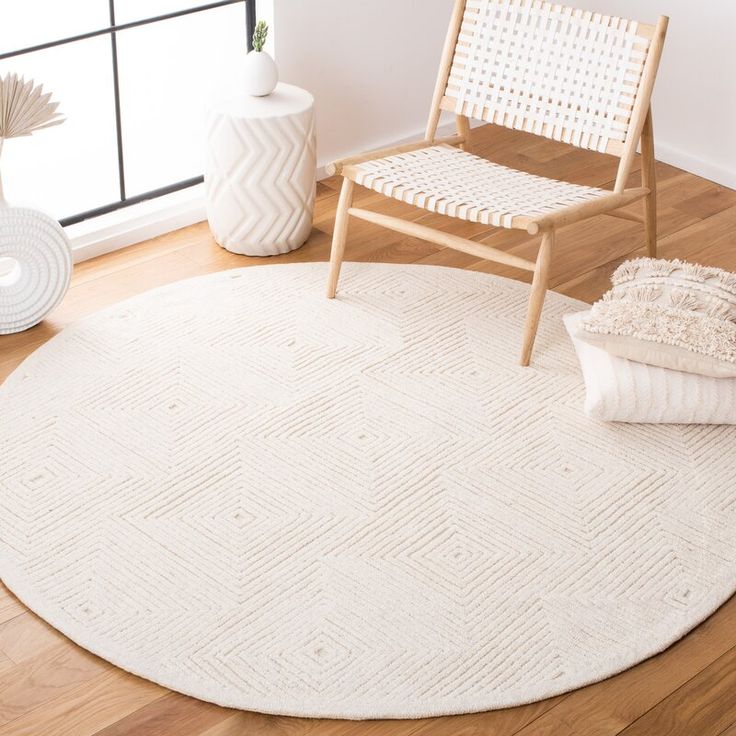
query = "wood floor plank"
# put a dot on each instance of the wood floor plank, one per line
(240, 723)
(170, 714)
(50, 687)
(606, 708)
(23, 637)
(5, 663)
(53, 674)
(366, 728)
(88, 708)
(592, 285)
(499, 723)
(140, 253)
(705, 705)
(10, 606)
(680, 188)
(708, 203)
(97, 293)
(710, 242)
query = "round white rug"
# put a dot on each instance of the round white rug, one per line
(356, 508)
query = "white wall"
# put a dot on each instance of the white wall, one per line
(372, 64)
(695, 96)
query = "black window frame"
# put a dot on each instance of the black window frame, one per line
(112, 30)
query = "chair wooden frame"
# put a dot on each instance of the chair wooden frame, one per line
(640, 129)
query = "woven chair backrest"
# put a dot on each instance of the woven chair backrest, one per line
(566, 74)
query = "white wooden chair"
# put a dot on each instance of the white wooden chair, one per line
(570, 75)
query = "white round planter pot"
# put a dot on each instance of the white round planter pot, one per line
(261, 74)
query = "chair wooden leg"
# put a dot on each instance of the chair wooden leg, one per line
(649, 180)
(340, 235)
(462, 124)
(539, 291)
(650, 223)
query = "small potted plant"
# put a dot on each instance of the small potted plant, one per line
(261, 73)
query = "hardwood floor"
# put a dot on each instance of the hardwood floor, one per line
(50, 687)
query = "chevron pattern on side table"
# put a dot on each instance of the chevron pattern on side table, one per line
(356, 508)
(260, 179)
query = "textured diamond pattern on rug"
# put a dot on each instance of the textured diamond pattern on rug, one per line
(352, 508)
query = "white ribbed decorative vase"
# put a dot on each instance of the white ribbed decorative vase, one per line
(261, 172)
(35, 267)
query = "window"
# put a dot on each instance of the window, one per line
(135, 80)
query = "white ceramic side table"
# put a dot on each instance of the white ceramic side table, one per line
(261, 169)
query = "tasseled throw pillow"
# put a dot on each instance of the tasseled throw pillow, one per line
(670, 314)
(620, 390)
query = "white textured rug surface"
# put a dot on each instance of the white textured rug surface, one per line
(357, 508)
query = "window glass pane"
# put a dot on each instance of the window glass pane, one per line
(26, 23)
(171, 73)
(72, 167)
(127, 11)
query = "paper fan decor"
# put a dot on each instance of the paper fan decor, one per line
(24, 108)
